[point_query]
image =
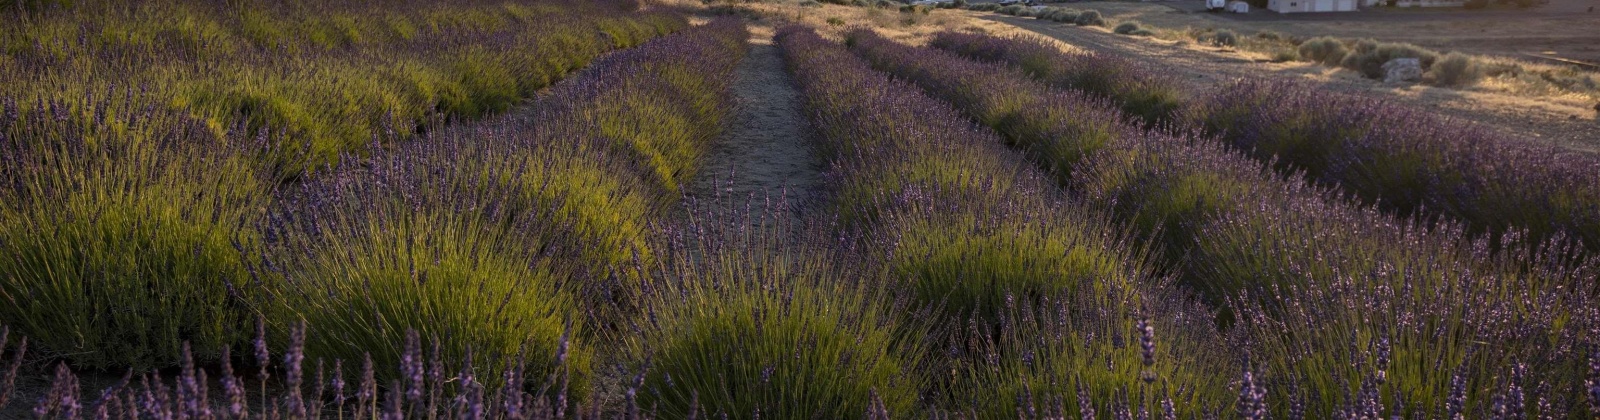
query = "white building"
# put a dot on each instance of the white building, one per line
(1302, 6)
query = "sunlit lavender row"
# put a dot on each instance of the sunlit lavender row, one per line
(1298, 269)
(482, 210)
(334, 74)
(1403, 159)
(497, 240)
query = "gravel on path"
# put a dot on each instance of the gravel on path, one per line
(764, 156)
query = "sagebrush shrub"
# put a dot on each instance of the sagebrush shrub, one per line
(1368, 56)
(1270, 36)
(1285, 55)
(1126, 28)
(1090, 17)
(1225, 38)
(1455, 69)
(1328, 51)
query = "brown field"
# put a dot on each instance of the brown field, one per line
(1563, 28)
(1524, 107)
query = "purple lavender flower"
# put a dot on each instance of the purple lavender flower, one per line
(1252, 398)
(232, 386)
(1592, 383)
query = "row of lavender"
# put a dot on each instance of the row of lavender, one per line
(500, 240)
(1021, 295)
(956, 281)
(329, 73)
(131, 209)
(1341, 309)
(1402, 158)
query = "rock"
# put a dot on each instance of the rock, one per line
(1402, 70)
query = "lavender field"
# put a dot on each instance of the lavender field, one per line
(526, 209)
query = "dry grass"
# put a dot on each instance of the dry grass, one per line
(1525, 96)
(1488, 42)
(833, 21)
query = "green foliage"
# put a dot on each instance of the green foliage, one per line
(120, 241)
(1160, 194)
(385, 261)
(975, 265)
(790, 332)
(1418, 342)
(1090, 345)
(334, 76)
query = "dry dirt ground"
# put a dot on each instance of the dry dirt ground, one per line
(765, 150)
(1563, 120)
(1568, 122)
(1563, 28)
(833, 20)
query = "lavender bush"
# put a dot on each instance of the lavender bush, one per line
(1001, 257)
(120, 230)
(1139, 91)
(309, 390)
(329, 73)
(747, 322)
(514, 211)
(1237, 231)
(1400, 158)
(1412, 161)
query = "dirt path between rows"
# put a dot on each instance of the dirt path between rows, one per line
(761, 172)
(764, 157)
(1543, 125)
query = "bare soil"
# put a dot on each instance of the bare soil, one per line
(1564, 28)
(1561, 123)
(764, 156)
